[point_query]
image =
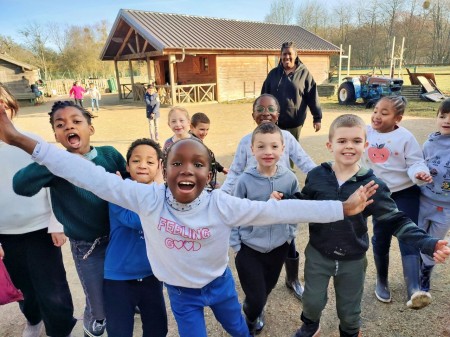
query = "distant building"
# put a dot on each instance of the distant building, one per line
(204, 58)
(16, 75)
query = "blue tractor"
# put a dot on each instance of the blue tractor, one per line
(368, 87)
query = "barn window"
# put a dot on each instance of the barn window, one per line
(204, 64)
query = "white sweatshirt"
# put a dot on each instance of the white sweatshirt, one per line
(187, 244)
(19, 214)
(395, 157)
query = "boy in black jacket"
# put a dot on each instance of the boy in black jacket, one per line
(338, 249)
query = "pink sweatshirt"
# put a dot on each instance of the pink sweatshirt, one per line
(77, 92)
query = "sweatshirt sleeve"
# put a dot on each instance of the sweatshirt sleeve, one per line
(312, 99)
(124, 217)
(31, 179)
(237, 167)
(415, 160)
(296, 153)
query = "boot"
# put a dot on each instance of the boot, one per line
(308, 329)
(425, 276)
(417, 299)
(342, 333)
(260, 322)
(251, 327)
(292, 281)
(382, 291)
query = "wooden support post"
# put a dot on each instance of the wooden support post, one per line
(172, 79)
(119, 87)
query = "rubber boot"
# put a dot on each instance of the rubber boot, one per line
(251, 327)
(292, 281)
(342, 333)
(417, 299)
(382, 291)
(260, 323)
(425, 277)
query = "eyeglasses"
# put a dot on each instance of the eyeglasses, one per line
(272, 109)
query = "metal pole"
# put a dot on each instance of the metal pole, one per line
(401, 58)
(391, 68)
(348, 57)
(340, 65)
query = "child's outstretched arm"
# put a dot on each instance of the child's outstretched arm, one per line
(441, 251)
(10, 135)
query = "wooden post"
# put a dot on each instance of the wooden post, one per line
(172, 79)
(148, 69)
(130, 67)
(119, 87)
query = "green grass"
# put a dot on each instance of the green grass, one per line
(415, 107)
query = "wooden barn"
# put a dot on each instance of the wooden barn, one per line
(197, 59)
(16, 75)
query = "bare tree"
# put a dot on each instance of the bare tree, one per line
(281, 11)
(313, 16)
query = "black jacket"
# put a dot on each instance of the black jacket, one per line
(295, 92)
(348, 239)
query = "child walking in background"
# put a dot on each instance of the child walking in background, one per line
(338, 249)
(30, 245)
(84, 215)
(266, 110)
(261, 251)
(178, 120)
(200, 124)
(77, 92)
(129, 280)
(95, 96)
(434, 215)
(187, 228)
(152, 104)
(395, 157)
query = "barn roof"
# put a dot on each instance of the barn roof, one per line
(10, 59)
(158, 32)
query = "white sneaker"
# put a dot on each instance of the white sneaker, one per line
(32, 330)
(420, 299)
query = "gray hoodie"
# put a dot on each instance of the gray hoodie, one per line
(252, 185)
(436, 151)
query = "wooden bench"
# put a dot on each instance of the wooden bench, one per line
(26, 96)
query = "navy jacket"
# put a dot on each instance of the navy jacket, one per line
(348, 239)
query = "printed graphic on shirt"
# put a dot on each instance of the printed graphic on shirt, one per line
(188, 237)
(441, 176)
(378, 153)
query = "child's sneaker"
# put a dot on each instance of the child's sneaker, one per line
(420, 299)
(33, 330)
(97, 329)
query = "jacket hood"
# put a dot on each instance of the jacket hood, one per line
(253, 171)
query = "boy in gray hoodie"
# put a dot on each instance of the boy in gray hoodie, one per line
(261, 251)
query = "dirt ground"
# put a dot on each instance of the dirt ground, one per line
(121, 122)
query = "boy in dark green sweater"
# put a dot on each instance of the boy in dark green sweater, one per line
(84, 216)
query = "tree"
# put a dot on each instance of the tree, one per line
(281, 11)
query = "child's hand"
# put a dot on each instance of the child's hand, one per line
(58, 239)
(118, 174)
(7, 129)
(225, 170)
(2, 253)
(359, 199)
(276, 195)
(441, 251)
(423, 176)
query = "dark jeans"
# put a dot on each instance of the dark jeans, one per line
(408, 201)
(36, 267)
(121, 298)
(258, 274)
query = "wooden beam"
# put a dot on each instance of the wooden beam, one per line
(140, 56)
(125, 42)
(136, 35)
(145, 46)
(118, 79)
(131, 48)
(172, 79)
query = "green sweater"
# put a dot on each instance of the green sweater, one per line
(83, 215)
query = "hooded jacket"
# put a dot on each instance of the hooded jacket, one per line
(437, 157)
(295, 92)
(348, 239)
(252, 185)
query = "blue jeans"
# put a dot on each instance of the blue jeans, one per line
(94, 103)
(90, 273)
(408, 201)
(220, 295)
(121, 298)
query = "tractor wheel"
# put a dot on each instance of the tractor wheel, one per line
(346, 93)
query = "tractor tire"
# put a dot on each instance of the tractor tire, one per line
(346, 93)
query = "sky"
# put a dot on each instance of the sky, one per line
(17, 14)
